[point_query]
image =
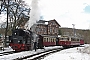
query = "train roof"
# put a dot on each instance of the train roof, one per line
(49, 36)
(69, 36)
(22, 30)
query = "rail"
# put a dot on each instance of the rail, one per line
(7, 53)
(39, 55)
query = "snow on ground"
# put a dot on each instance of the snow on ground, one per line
(86, 49)
(6, 49)
(24, 53)
(78, 53)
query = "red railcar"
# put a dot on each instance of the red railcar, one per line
(81, 41)
(67, 41)
(49, 40)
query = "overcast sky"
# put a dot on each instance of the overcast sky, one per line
(66, 12)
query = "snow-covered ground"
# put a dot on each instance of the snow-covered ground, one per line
(78, 53)
(24, 53)
(6, 49)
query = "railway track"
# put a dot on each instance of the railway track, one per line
(39, 56)
(7, 53)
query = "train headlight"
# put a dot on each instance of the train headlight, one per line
(15, 33)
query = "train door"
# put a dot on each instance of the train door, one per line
(57, 41)
(40, 42)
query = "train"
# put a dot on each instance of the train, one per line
(22, 40)
(70, 41)
(65, 41)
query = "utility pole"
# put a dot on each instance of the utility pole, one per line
(74, 33)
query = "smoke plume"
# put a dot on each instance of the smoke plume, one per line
(34, 13)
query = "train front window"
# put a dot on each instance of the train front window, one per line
(17, 41)
(18, 32)
(14, 41)
(20, 41)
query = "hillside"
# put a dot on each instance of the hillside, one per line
(85, 34)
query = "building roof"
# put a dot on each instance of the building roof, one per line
(41, 21)
(46, 22)
(56, 22)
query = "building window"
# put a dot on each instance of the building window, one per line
(38, 29)
(44, 30)
(56, 30)
(50, 29)
(53, 23)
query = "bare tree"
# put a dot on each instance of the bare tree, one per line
(17, 13)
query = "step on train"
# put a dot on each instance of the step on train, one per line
(22, 40)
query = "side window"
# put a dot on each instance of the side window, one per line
(68, 39)
(54, 40)
(51, 40)
(47, 39)
(77, 39)
(71, 39)
(44, 39)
